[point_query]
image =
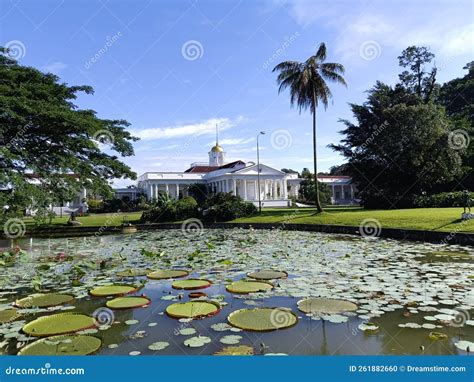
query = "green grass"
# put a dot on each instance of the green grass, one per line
(96, 220)
(430, 219)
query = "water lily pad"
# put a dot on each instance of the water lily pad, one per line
(43, 300)
(193, 309)
(127, 302)
(156, 346)
(131, 322)
(268, 274)
(63, 345)
(231, 339)
(191, 284)
(133, 272)
(112, 290)
(464, 345)
(244, 287)
(437, 336)
(167, 274)
(236, 350)
(326, 305)
(61, 323)
(262, 319)
(8, 315)
(196, 342)
(368, 327)
(187, 331)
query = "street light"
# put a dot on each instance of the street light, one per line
(258, 174)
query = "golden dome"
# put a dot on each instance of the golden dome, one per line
(217, 149)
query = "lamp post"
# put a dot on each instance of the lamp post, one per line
(258, 174)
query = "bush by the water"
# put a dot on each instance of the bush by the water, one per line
(443, 199)
(218, 207)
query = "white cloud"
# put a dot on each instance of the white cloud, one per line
(55, 67)
(207, 127)
(234, 141)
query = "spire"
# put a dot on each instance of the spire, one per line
(217, 136)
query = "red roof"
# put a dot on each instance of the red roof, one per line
(213, 168)
(334, 176)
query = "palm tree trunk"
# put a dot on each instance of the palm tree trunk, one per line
(315, 160)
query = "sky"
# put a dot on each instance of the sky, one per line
(176, 68)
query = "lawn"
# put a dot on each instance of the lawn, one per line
(436, 219)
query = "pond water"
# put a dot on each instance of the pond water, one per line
(406, 289)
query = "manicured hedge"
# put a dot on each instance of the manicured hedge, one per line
(443, 199)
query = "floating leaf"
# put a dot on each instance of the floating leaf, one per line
(167, 274)
(369, 326)
(63, 345)
(437, 336)
(193, 309)
(196, 342)
(191, 284)
(156, 346)
(268, 274)
(187, 331)
(43, 300)
(8, 315)
(326, 305)
(133, 273)
(262, 319)
(236, 350)
(112, 290)
(127, 302)
(61, 323)
(244, 287)
(464, 345)
(231, 339)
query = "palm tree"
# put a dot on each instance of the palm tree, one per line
(307, 84)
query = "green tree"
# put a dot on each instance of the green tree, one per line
(307, 84)
(43, 132)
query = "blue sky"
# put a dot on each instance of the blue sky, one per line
(175, 68)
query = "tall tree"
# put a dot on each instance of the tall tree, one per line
(42, 132)
(307, 84)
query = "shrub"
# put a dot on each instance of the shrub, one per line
(443, 199)
(186, 208)
(166, 209)
(225, 206)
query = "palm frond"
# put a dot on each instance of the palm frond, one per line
(321, 53)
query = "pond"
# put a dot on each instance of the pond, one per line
(410, 298)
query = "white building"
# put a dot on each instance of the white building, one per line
(343, 190)
(238, 177)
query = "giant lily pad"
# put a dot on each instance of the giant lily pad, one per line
(127, 302)
(243, 287)
(112, 290)
(43, 300)
(61, 323)
(268, 274)
(8, 315)
(236, 350)
(167, 274)
(133, 272)
(191, 284)
(63, 345)
(262, 319)
(193, 309)
(326, 305)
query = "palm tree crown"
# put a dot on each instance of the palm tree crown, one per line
(307, 80)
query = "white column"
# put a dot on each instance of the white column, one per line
(352, 192)
(177, 191)
(285, 189)
(264, 189)
(255, 192)
(274, 184)
(234, 186)
(167, 189)
(245, 188)
(150, 194)
(333, 193)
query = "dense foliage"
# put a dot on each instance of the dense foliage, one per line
(401, 144)
(307, 190)
(216, 207)
(43, 132)
(443, 199)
